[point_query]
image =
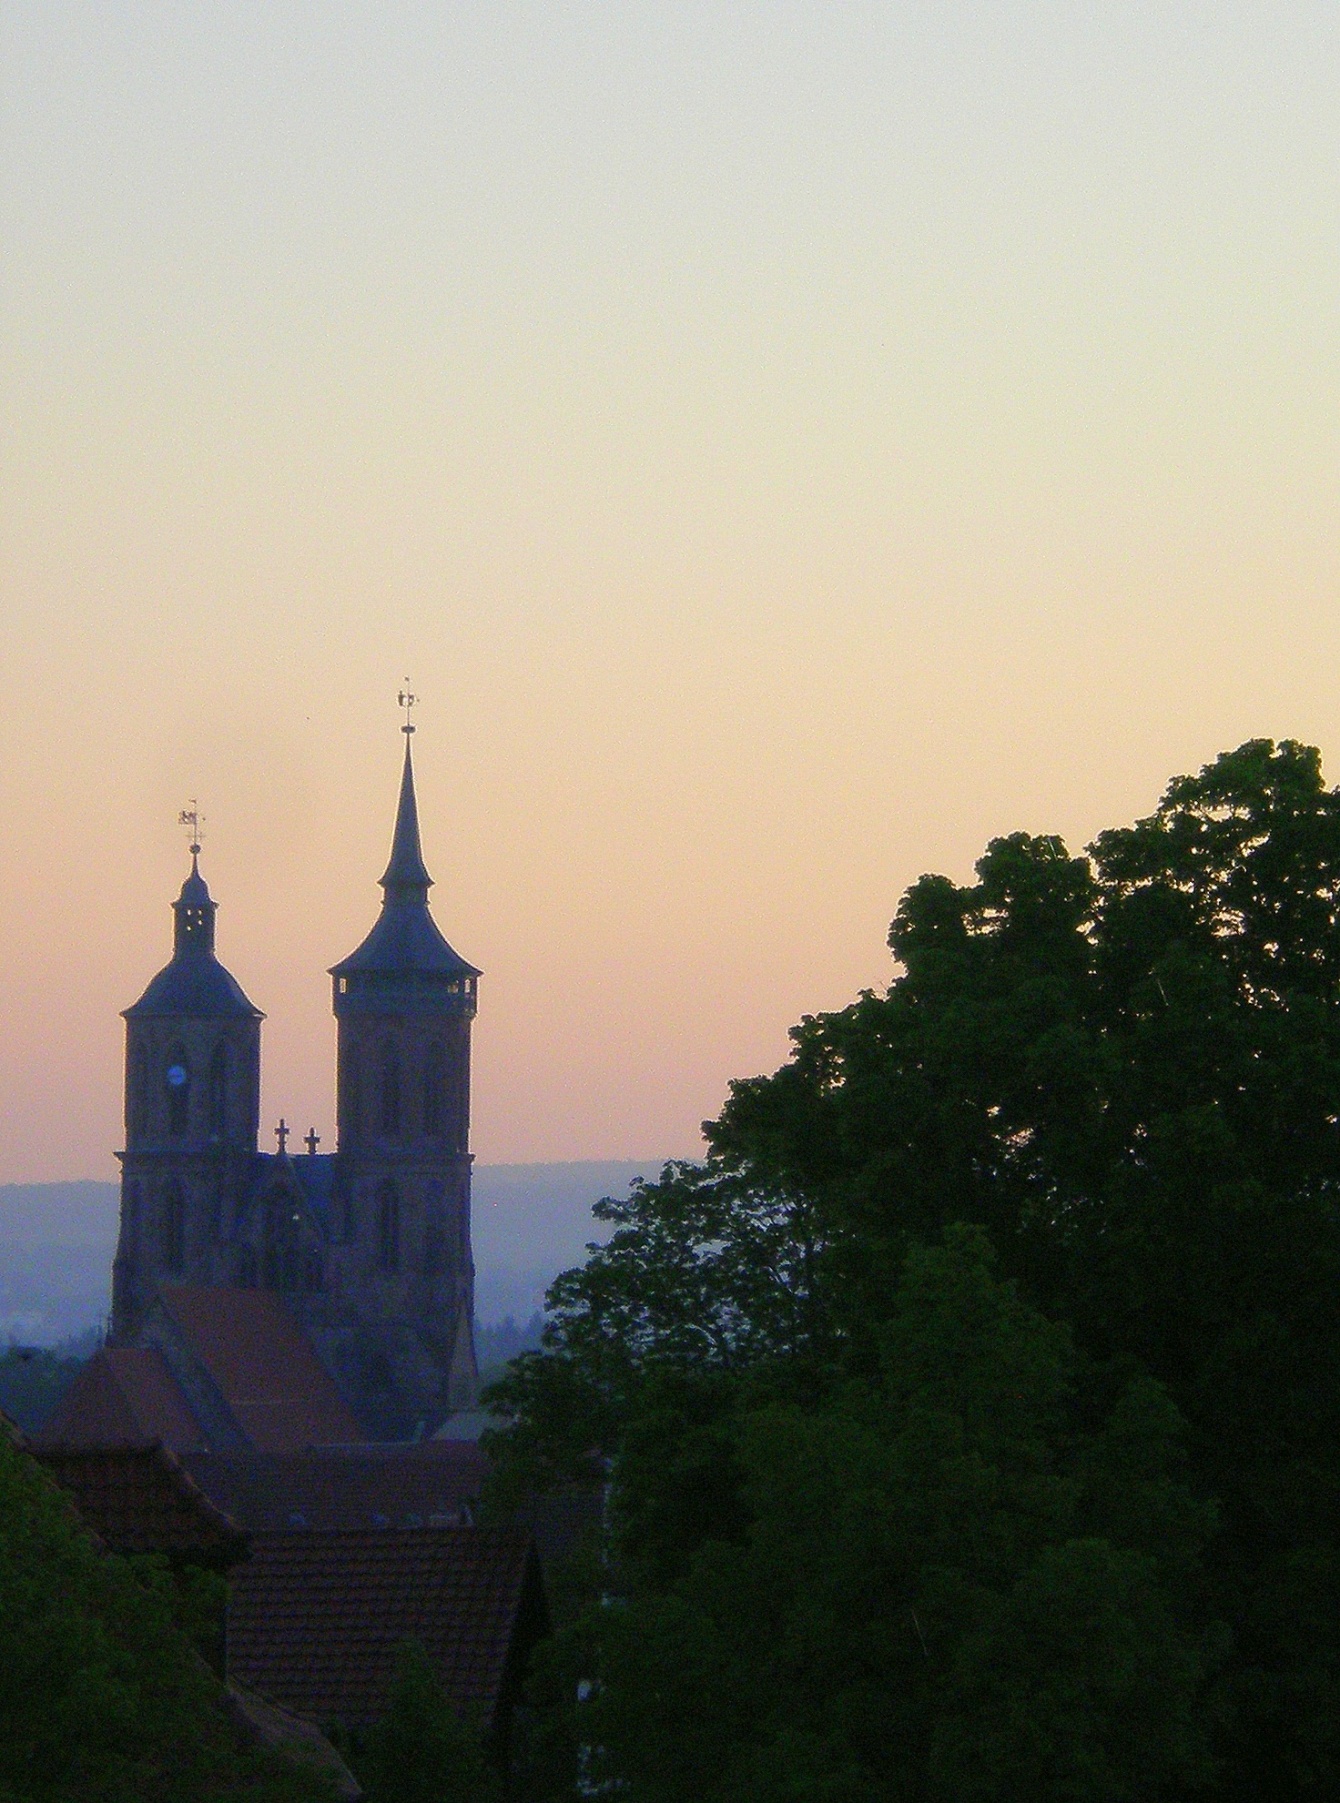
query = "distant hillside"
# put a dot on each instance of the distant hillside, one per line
(530, 1222)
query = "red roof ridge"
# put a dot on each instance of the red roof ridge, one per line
(263, 1364)
(124, 1395)
(139, 1497)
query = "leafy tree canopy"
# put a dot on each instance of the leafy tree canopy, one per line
(1122, 1071)
(102, 1698)
(422, 1751)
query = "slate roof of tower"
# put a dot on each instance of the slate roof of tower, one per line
(405, 938)
(315, 1620)
(405, 868)
(137, 1498)
(197, 986)
(263, 1365)
(123, 1394)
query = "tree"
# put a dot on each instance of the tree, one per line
(1123, 1069)
(102, 1698)
(930, 1592)
(422, 1751)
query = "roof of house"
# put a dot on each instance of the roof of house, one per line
(264, 1366)
(123, 1395)
(369, 1486)
(315, 1620)
(138, 1499)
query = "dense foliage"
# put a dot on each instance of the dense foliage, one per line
(972, 1413)
(422, 1751)
(103, 1699)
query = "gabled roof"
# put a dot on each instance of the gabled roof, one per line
(123, 1395)
(138, 1499)
(315, 1619)
(263, 1365)
(371, 1486)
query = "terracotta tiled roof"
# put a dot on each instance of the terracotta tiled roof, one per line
(138, 1499)
(276, 1388)
(122, 1395)
(315, 1619)
(432, 1484)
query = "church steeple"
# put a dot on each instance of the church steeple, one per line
(404, 1003)
(406, 876)
(405, 940)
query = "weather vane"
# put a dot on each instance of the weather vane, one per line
(193, 818)
(407, 701)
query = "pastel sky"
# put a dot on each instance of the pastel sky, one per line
(785, 443)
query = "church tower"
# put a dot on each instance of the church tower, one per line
(192, 1103)
(364, 1250)
(404, 1003)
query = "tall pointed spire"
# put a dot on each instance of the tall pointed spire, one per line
(406, 877)
(405, 937)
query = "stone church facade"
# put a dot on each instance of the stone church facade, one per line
(368, 1246)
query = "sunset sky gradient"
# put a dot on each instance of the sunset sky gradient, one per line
(785, 444)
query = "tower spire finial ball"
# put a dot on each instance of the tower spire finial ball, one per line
(408, 701)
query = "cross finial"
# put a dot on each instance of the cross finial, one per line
(312, 1141)
(408, 701)
(193, 819)
(282, 1132)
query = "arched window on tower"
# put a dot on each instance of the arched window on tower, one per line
(177, 1082)
(390, 1089)
(434, 1090)
(283, 1265)
(435, 1235)
(137, 1092)
(388, 1229)
(218, 1092)
(342, 1215)
(174, 1230)
(351, 1083)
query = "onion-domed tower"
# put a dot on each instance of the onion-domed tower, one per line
(192, 1106)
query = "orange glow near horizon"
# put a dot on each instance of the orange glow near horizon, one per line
(786, 446)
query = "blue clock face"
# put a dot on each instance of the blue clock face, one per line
(176, 1076)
